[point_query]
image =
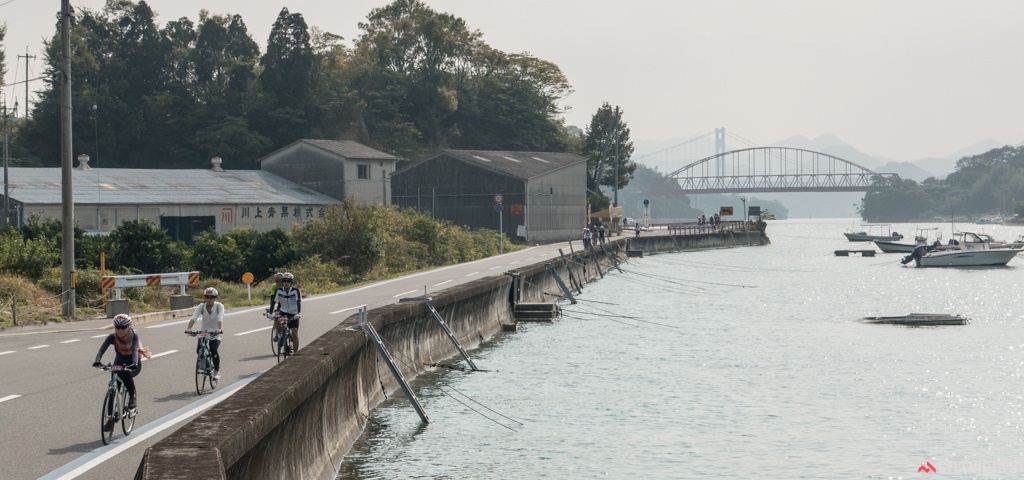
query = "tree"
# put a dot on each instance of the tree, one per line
(143, 247)
(3, 54)
(607, 145)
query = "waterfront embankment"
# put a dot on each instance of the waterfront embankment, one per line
(299, 419)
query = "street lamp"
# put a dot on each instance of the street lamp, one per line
(744, 199)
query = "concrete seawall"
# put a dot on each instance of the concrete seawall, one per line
(299, 419)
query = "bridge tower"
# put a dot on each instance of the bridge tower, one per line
(720, 149)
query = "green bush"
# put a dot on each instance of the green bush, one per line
(143, 247)
(28, 257)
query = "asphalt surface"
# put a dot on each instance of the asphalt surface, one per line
(50, 396)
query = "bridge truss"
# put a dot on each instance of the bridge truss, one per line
(777, 169)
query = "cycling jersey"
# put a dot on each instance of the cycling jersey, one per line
(288, 301)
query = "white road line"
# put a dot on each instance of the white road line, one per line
(396, 296)
(347, 309)
(72, 341)
(9, 397)
(41, 346)
(99, 336)
(92, 459)
(442, 283)
(513, 263)
(5, 353)
(494, 268)
(268, 327)
(469, 275)
(172, 323)
(164, 353)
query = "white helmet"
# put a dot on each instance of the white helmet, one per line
(211, 292)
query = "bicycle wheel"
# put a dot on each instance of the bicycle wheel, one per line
(282, 346)
(274, 342)
(107, 416)
(209, 373)
(127, 415)
(200, 374)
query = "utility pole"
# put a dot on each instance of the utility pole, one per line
(7, 191)
(67, 254)
(615, 201)
(26, 56)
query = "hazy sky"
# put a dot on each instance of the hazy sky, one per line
(905, 79)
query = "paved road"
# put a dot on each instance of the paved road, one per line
(50, 395)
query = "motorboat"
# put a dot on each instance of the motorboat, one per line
(874, 232)
(970, 250)
(921, 319)
(921, 238)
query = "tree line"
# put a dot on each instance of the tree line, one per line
(415, 81)
(988, 183)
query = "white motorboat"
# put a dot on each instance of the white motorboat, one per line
(921, 238)
(970, 250)
(873, 232)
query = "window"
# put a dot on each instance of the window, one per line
(364, 172)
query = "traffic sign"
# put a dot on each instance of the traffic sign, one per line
(646, 202)
(497, 207)
(498, 199)
(247, 278)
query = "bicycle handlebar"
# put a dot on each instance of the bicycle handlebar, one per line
(198, 333)
(110, 367)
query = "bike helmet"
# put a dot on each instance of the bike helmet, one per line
(122, 321)
(288, 276)
(278, 276)
(211, 292)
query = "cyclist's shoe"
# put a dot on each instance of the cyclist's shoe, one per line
(275, 337)
(132, 403)
(216, 374)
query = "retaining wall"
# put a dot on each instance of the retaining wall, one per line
(299, 418)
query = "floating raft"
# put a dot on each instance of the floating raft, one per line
(921, 319)
(863, 253)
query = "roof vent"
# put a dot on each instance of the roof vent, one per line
(216, 161)
(83, 162)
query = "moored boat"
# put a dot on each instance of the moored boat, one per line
(969, 250)
(921, 319)
(873, 232)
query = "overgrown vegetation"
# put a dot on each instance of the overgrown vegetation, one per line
(352, 244)
(989, 183)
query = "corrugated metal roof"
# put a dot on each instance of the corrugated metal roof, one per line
(345, 148)
(151, 186)
(522, 165)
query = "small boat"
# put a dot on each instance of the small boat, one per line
(921, 238)
(874, 232)
(970, 250)
(921, 319)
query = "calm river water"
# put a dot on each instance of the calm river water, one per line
(735, 363)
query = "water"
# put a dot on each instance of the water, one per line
(735, 363)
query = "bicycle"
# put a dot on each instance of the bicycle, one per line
(115, 405)
(204, 362)
(281, 336)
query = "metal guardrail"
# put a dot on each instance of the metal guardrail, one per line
(117, 282)
(695, 229)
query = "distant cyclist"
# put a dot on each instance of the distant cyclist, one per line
(126, 353)
(288, 300)
(212, 312)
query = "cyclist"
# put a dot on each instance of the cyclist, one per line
(126, 352)
(212, 312)
(288, 300)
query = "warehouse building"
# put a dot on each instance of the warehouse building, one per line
(539, 197)
(336, 168)
(183, 202)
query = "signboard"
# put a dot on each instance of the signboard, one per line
(754, 211)
(646, 202)
(498, 198)
(723, 211)
(497, 207)
(516, 209)
(247, 278)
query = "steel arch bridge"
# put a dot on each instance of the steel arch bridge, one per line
(777, 169)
